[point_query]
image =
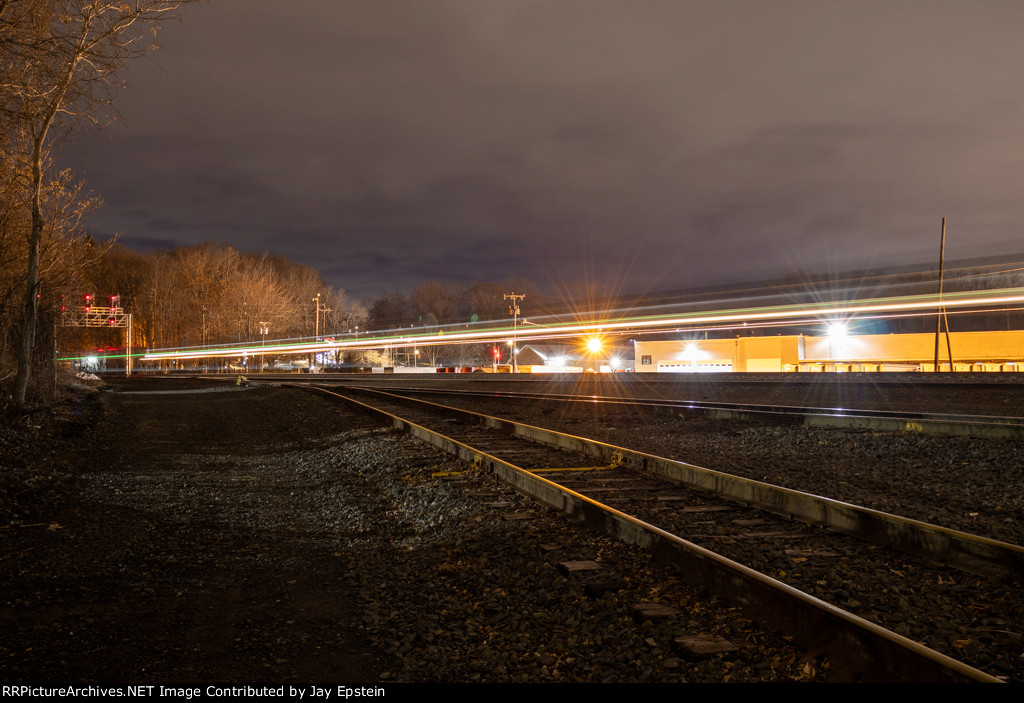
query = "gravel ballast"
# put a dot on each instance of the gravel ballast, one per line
(269, 535)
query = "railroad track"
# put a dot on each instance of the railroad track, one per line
(987, 426)
(793, 571)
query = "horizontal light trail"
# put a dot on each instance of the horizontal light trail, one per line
(647, 324)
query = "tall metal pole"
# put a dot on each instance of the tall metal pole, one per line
(206, 359)
(514, 311)
(316, 331)
(317, 324)
(264, 329)
(941, 315)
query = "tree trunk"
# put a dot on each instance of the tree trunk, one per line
(28, 318)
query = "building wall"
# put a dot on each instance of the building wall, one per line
(967, 346)
(704, 355)
(988, 351)
(766, 354)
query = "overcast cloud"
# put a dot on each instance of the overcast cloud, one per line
(646, 144)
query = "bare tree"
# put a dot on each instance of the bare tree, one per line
(436, 302)
(60, 58)
(255, 296)
(211, 293)
(152, 312)
(487, 301)
(203, 274)
(344, 314)
(391, 309)
(301, 285)
(124, 273)
(66, 252)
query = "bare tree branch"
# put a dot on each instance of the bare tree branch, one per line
(58, 62)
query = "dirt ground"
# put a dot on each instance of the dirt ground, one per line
(173, 533)
(150, 557)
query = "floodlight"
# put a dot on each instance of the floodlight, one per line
(837, 330)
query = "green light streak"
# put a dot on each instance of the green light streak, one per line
(648, 324)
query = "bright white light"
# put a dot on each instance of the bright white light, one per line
(594, 344)
(837, 330)
(556, 361)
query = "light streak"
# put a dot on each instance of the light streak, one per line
(642, 323)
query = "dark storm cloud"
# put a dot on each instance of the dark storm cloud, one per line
(642, 143)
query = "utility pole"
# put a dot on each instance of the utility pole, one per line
(324, 310)
(941, 316)
(513, 310)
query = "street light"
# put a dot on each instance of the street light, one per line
(206, 360)
(264, 330)
(316, 328)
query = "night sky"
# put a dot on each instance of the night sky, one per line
(643, 145)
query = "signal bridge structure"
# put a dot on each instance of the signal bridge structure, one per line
(90, 315)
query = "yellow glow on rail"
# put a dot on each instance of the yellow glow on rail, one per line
(641, 323)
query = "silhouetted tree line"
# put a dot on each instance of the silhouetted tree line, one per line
(436, 303)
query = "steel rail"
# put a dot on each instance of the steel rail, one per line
(982, 426)
(969, 552)
(853, 643)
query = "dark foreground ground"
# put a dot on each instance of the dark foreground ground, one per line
(269, 536)
(153, 558)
